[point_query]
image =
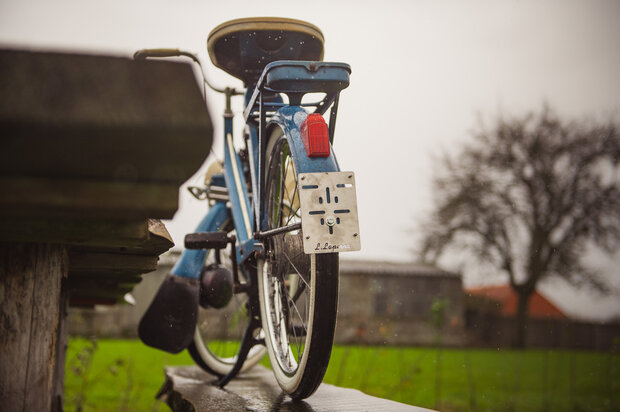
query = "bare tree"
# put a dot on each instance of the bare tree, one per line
(528, 196)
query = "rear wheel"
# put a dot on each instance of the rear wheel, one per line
(298, 293)
(217, 338)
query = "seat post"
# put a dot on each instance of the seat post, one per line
(229, 93)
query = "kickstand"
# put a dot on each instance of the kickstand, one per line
(248, 341)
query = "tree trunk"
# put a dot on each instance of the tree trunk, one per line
(522, 316)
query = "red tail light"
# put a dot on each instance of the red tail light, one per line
(315, 135)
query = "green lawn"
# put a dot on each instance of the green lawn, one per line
(482, 380)
(122, 375)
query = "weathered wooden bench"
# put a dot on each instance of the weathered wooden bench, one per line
(93, 149)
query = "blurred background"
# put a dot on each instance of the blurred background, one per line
(426, 76)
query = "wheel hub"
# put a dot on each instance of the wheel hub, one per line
(289, 256)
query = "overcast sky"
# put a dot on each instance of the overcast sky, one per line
(424, 73)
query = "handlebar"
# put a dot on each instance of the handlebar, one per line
(143, 54)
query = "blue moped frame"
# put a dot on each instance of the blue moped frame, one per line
(289, 118)
(264, 111)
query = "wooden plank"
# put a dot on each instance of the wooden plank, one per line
(158, 242)
(89, 262)
(92, 147)
(87, 232)
(81, 198)
(104, 278)
(30, 298)
(108, 253)
(100, 118)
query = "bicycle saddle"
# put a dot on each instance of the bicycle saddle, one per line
(243, 47)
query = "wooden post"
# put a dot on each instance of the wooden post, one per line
(31, 277)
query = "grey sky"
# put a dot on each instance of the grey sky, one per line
(423, 72)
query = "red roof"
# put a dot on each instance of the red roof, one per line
(539, 306)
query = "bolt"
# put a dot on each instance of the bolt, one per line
(303, 178)
(307, 237)
(330, 220)
(354, 234)
(350, 176)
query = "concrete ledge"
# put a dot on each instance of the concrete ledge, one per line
(189, 389)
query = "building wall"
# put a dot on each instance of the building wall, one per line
(396, 309)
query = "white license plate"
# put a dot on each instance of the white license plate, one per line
(329, 219)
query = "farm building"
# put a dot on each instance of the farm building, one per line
(386, 302)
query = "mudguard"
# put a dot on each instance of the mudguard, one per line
(290, 118)
(328, 227)
(170, 321)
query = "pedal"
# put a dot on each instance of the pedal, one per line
(329, 212)
(206, 240)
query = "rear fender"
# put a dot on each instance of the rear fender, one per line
(290, 118)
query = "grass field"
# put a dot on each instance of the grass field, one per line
(125, 375)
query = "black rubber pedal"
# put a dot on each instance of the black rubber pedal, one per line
(206, 240)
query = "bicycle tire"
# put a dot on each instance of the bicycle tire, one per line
(208, 353)
(298, 367)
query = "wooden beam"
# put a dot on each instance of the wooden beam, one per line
(100, 118)
(81, 262)
(30, 302)
(85, 232)
(92, 147)
(80, 198)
